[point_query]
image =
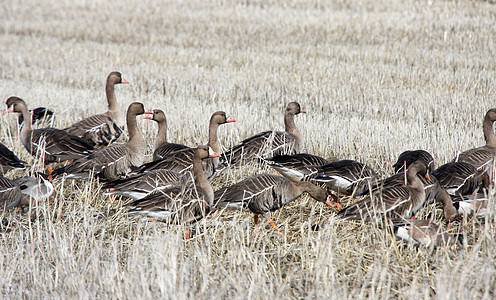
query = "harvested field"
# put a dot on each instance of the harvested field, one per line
(377, 78)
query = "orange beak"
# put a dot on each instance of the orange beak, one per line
(124, 81)
(229, 120)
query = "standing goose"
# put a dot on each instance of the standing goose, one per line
(269, 143)
(53, 145)
(115, 161)
(9, 161)
(10, 194)
(177, 204)
(458, 178)
(397, 201)
(346, 177)
(410, 156)
(424, 232)
(264, 193)
(162, 147)
(102, 129)
(140, 185)
(182, 161)
(298, 167)
(481, 157)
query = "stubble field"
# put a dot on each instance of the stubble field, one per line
(377, 78)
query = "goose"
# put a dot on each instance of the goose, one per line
(51, 144)
(408, 157)
(261, 194)
(139, 186)
(477, 204)
(345, 177)
(458, 178)
(181, 204)
(32, 187)
(9, 161)
(182, 161)
(298, 167)
(10, 194)
(269, 143)
(40, 117)
(113, 162)
(395, 201)
(433, 189)
(102, 129)
(162, 147)
(481, 157)
(425, 233)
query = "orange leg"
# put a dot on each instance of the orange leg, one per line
(112, 196)
(50, 170)
(272, 224)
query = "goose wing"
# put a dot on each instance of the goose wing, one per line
(297, 167)
(109, 163)
(265, 144)
(478, 157)
(58, 144)
(394, 201)
(10, 193)
(9, 160)
(166, 149)
(173, 205)
(138, 186)
(260, 194)
(457, 177)
(98, 130)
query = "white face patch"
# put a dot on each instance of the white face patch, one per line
(404, 234)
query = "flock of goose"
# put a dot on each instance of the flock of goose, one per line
(174, 186)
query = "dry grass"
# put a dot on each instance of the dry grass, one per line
(376, 78)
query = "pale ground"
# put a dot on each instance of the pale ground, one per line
(376, 78)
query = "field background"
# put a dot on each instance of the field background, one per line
(376, 77)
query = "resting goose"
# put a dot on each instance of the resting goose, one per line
(410, 156)
(424, 232)
(162, 147)
(395, 201)
(115, 161)
(346, 177)
(10, 194)
(102, 129)
(481, 157)
(269, 143)
(138, 186)
(182, 161)
(33, 188)
(458, 178)
(298, 167)
(264, 193)
(9, 161)
(53, 145)
(180, 204)
(433, 189)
